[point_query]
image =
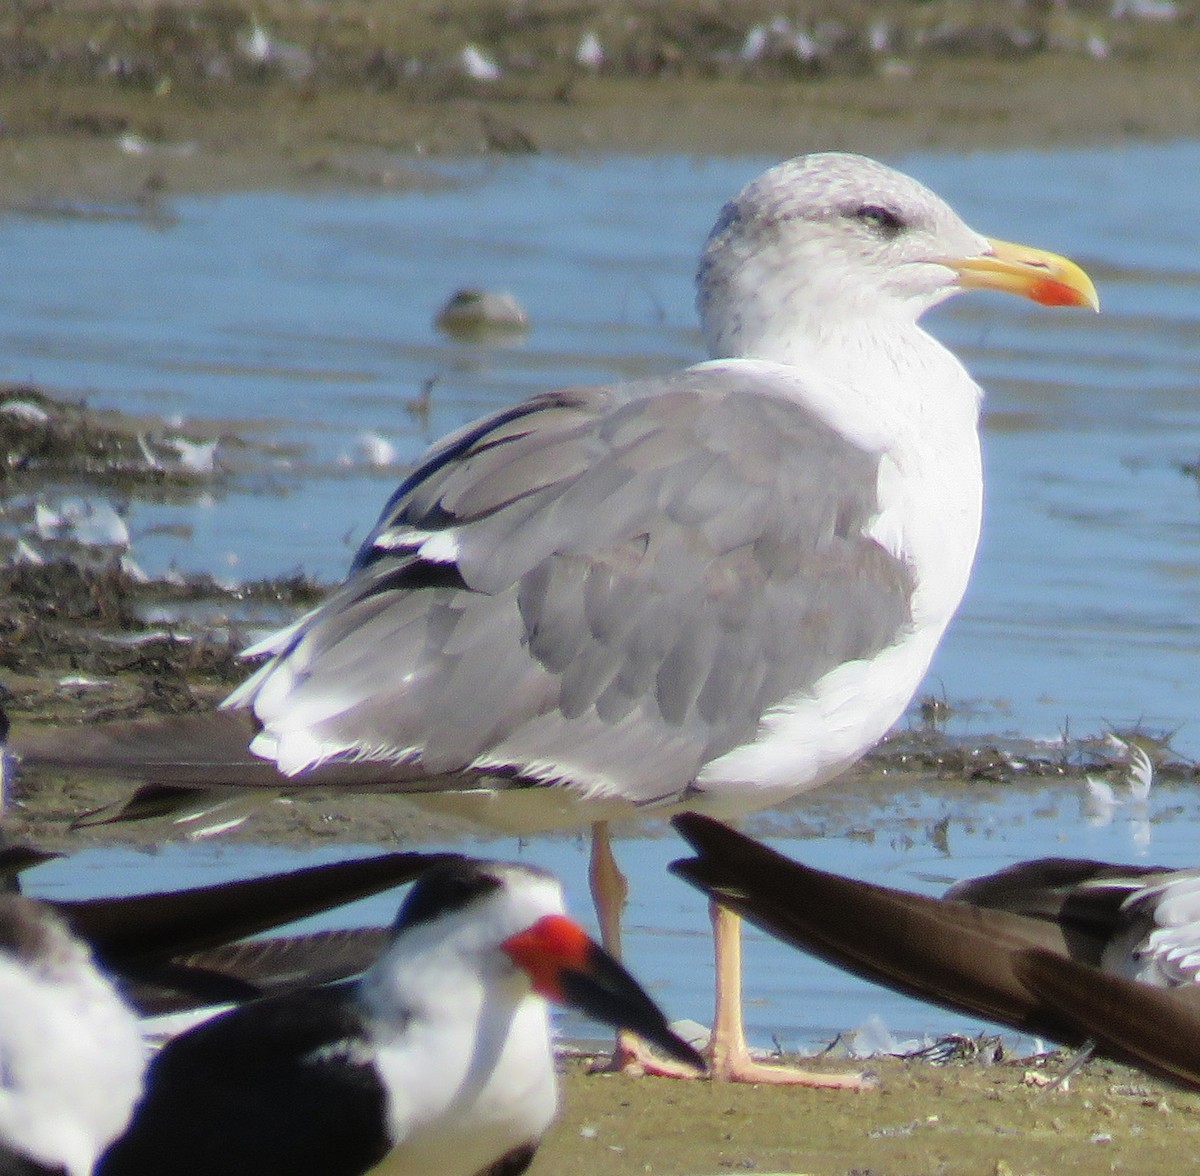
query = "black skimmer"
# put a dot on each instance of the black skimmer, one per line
(438, 1060)
(74, 975)
(707, 591)
(71, 1050)
(1075, 950)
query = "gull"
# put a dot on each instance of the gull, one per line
(1081, 951)
(708, 591)
(438, 1060)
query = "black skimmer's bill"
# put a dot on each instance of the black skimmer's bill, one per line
(707, 591)
(71, 1050)
(1074, 950)
(437, 1061)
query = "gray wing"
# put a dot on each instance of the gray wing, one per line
(606, 587)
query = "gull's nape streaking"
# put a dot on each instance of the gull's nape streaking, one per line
(437, 1061)
(708, 591)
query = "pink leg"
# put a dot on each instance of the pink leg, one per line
(609, 892)
(729, 1057)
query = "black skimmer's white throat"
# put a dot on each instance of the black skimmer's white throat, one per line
(71, 1050)
(1073, 950)
(708, 591)
(437, 1061)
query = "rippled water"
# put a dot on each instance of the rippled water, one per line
(306, 321)
(915, 840)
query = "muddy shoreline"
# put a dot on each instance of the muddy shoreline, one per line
(125, 101)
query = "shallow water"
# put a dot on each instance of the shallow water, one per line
(914, 840)
(306, 322)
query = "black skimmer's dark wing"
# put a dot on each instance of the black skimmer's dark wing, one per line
(143, 928)
(438, 1057)
(252, 968)
(1064, 968)
(1157, 1029)
(952, 954)
(15, 859)
(1137, 921)
(179, 949)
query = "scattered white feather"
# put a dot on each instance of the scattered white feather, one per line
(195, 457)
(375, 449)
(873, 1038)
(25, 553)
(777, 39)
(478, 66)
(88, 522)
(590, 53)
(1140, 774)
(25, 410)
(1101, 800)
(879, 36)
(134, 570)
(148, 455)
(257, 46)
(755, 43)
(132, 144)
(254, 44)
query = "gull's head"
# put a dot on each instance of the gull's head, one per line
(821, 243)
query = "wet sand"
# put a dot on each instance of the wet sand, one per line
(967, 1119)
(103, 102)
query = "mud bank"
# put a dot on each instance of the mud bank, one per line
(127, 100)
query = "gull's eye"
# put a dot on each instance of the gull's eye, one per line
(880, 220)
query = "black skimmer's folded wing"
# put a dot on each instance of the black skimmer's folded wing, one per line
(1049, 946)
(952, 954)
(1157, 1029)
